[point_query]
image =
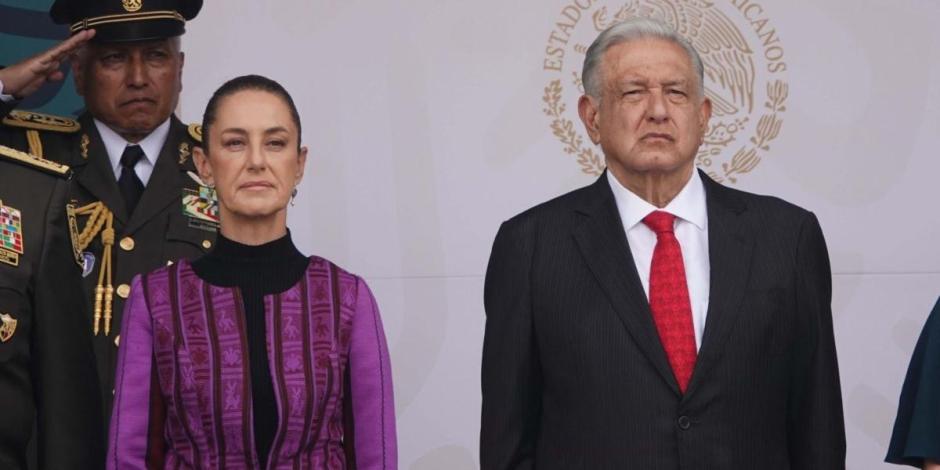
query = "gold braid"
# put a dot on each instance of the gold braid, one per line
(100, 220)
(35, 143)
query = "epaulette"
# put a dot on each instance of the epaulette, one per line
(32, 161)
(41, 122)
(195, 131)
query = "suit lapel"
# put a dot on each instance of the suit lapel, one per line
(164, 186)
(97, 177)
(730, 249)
(603, 244)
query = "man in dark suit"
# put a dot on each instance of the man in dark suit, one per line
(656, 319)
(47, 372)
(138, 200)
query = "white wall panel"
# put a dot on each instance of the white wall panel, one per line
(426, 130)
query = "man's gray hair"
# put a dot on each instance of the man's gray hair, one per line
(630, 30)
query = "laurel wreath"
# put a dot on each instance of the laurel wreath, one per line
(564, 130)
(743, 161)
(768, 128)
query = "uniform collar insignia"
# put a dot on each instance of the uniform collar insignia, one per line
(86, 141)
(184, 152)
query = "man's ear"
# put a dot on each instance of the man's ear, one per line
(589, 111)
(705, 113)
(201, 160)
(182, 62)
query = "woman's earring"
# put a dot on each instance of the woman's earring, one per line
(293, 195)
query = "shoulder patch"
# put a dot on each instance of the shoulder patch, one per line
(32, 161)
(195, 131)
(42, 122)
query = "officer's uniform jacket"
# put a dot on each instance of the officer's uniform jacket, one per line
(175, 218)
(47, 371)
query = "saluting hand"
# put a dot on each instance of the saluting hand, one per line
(24, 78)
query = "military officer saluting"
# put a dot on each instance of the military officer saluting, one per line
(47, 371)
(138, 201)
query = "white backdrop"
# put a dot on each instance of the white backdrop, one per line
(430, 122)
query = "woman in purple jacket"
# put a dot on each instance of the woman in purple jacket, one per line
(253, 356)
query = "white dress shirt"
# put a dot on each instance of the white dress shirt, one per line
(114, 144)
(5, 98)
(691, 230)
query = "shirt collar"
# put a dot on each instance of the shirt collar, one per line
(688, 205)
(114, 144)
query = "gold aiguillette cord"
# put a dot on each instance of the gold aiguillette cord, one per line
(100, 220)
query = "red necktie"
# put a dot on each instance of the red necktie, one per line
(669, 298)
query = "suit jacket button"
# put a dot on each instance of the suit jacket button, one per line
(127, 243)
(206, 244)
(123, 291)
(685, 423)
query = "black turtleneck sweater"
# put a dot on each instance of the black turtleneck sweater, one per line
(257, 271)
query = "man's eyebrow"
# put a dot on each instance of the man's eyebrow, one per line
(677, 81)
(634, 81)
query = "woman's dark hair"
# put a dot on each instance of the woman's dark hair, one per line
(242, 83)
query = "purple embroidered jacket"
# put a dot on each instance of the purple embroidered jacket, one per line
(183, 400)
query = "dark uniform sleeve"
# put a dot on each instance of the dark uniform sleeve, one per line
(66, 388)
(917, 427)
(6, 107)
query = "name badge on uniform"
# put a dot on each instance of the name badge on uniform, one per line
(11, 235)
(7, 328)
(201, 206)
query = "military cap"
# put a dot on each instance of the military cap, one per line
(126, 20)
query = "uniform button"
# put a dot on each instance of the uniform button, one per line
(206, 244)
(123, 291)
(117, 340)
(685, 423)
(127, 243)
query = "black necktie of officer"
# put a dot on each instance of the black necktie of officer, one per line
(130, 184)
